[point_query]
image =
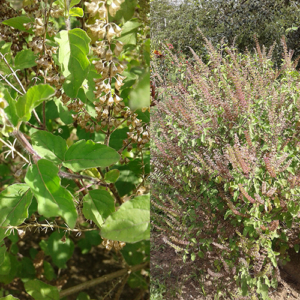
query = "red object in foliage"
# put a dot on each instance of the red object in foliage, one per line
(170, 46)
(158, 53)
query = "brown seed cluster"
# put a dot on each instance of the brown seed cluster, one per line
(109, 106)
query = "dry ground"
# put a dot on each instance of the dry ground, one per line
(184, 282)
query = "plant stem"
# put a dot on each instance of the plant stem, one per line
(105, 278)
(10, 84)
(67, 16)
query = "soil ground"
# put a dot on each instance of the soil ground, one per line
(183, 281)
(80, 268)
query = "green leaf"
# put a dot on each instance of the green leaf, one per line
(25, 59)
(5, 50)
(97, 206)
(9, 297)
(263, 290)
(49, 146)
(91, 238)
(89, 83)
(87, 154)
(52, 198)
(137, 280)
(14, 203)
(140, 95)
(18, 22)
(72, 56)
(15, 267)
(134, 254)
(40, 290)
(130, 26)
(27, 270)
(117, 138)
(48, 271)
(129, 176)
(129, 33)
(74, 2)
(60, 3)
(63, 112)
(10, 110)
(131, 223)
(83, 296)
(5, 266)
(76, 12)
(127, 10)
(34, 97)
(60, 251)
(112, 176)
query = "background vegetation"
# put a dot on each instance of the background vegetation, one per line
(218, 19)
(220, 194)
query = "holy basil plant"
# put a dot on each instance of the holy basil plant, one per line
(74, 136)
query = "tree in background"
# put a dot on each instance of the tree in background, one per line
(269, 20)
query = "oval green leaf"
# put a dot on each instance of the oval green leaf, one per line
(14, 203)
(49, 146)
(41, 290)
(112, 176)
(131, 223)
(52, 198)
(60, 251)
(97, 206)
(34, 97)
(25, 59)
(72, 56)
(87, 154)
(18, 22)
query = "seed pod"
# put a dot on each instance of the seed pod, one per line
(92, 8)
(108, 55)
(110, 101)
(102, 11)
(113, 8)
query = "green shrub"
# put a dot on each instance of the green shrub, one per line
(225, 164)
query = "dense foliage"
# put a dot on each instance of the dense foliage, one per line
(225, 179)
(74, 141)
(218, 19)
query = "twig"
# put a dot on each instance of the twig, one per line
(48, 225)
(112, 188)
(13, 149)
(121, 288)
(33, 126)
(11, 84)
(80, 177)
(13, 72)
(105, 278)
(140, 295)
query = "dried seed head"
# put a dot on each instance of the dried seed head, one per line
(109, 55)
(92, 8)
(110, 101)
(113, 8)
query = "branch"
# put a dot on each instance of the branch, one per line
(13, 72)
(45, 227)
(105, 278)
(10, 84)
(83, 177)
(14, 150)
